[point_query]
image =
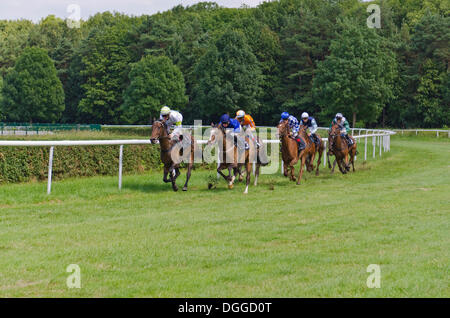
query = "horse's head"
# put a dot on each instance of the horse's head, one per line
(283, 129)
(158, 131)
(214, 134)
(335, 130)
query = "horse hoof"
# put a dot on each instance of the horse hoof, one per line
(185, 189)
(230, 186)
(175, 189)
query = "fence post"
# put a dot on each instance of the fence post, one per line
(374, 144)
(381, 142)
(282, 166)
(365, 148)
(437, 134)
(325, 155)
(120, 166)
(50, 169)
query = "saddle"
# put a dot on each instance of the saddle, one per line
(301, 144)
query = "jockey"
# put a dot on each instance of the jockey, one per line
(172, 119)
(248, 124)
(310, 122)
(231, 123)
(341, 120)
(294, 125)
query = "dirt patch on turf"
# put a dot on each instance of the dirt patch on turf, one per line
(21, 284)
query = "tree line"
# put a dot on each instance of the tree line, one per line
(204, 60)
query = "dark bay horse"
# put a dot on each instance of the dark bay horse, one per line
(319, 149)
(228, 150)
(339, 148)
(171, 154)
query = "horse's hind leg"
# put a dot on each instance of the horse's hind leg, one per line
(334, 165)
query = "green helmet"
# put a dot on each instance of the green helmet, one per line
(165, 111)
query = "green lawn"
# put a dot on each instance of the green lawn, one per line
(280, 240)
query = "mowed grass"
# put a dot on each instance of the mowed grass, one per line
(280, 240)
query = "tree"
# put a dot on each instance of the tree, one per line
(13, 40)
(306, 40)
(357, 77)
(32, 91)
(102, 72)
(1, 97)
(228, 78)
(430, 96)
(154, 81)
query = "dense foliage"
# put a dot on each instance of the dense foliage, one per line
(317, 56)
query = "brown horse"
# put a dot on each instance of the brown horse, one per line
(308, 154)
(318, 152)
(339, 148)
(289, 150)
(171, 154)
(261, 160)
(240, 159)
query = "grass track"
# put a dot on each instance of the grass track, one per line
(313, 240)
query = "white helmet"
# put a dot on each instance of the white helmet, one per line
(339, 115)
(165, 111)
(305, 115)
(240, 114)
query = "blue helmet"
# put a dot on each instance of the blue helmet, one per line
(285, 115)
(225, 119)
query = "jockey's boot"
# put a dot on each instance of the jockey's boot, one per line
(349, 140)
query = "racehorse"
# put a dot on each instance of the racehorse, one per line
(308, 154)
(318, 152)
(340, 149)
(289, 150)
(261, 160)
(229, 149)
(171, 154)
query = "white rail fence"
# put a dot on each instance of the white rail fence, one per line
(380, 138)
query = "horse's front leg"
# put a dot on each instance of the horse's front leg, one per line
(334, 165)
(166, 173)
(328, 159)
(319, 161)
(231, 177)
(173, 179)
(292, 168)
(258, 168)
(301, 170)
(219, 171)
(248, 167)
(285, 168)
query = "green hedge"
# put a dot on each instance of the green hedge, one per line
(22, 164)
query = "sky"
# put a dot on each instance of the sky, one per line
(38, 9)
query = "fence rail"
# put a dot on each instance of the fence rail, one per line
(379, 137)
